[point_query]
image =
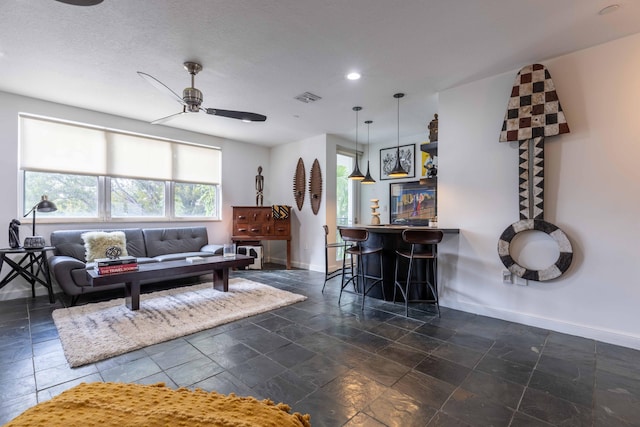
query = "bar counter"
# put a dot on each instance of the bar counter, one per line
(389, 237)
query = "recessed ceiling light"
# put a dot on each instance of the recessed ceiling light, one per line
(353, 75)
(609, 9)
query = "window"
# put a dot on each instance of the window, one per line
(104, 174)
(345, 195)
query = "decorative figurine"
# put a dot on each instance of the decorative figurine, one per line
(259, 186)
(113, 252)
(433, 129)
(375, 216)
(14, 234)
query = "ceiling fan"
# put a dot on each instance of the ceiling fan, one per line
(191, 99)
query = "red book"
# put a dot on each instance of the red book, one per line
(110, 269)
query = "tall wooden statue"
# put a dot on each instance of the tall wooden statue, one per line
(259, 186)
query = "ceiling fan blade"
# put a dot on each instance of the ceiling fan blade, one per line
(240, 115)
(161, 87)
(165, 119)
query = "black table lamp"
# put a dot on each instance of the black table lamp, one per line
(43, 205)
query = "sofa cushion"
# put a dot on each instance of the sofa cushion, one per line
(162, 241)
(96, 243)
(70, 243)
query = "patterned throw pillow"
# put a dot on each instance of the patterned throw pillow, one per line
(96, 243)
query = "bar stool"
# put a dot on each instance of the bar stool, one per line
(424, 246)
(335, 273)
(356, 237)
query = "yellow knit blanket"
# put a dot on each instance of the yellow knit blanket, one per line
(123, 405)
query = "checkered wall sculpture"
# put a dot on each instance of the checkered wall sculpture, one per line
(533, 113)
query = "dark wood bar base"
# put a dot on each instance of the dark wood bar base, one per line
(389, 237)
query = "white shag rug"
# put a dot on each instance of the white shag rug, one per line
(94, 332)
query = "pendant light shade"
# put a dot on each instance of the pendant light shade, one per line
(356, 174)
(398, 171)
(368, 179)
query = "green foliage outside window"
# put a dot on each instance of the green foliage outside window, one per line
(74, 195)
(195, 200)
(137, 198)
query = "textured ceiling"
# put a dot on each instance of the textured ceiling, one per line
(259, 54)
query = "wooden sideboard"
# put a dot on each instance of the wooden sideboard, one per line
(252, 224)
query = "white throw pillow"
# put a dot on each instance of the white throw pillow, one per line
(97, 242)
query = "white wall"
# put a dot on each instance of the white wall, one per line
(590, 180)
(306, 228)
(239, 168)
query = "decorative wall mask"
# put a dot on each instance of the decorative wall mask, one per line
(315, 186)
(299, 184)
(533, 113)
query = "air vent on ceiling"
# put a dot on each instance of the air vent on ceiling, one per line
(308, 97)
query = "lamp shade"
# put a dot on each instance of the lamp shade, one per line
(45, 205)
(356, 175)
(368, 179)
(398, 171)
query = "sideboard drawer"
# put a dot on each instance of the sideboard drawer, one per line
(281, 228)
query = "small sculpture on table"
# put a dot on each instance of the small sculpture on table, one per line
(375, 216)
(433, 129)
(259, 186)
(14, 234)
(113, 252)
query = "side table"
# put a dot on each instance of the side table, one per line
(32, 266)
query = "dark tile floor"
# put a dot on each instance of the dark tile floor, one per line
(351, 368)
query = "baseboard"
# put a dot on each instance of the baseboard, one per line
(604, 335)
(12, 294)
(297, 264)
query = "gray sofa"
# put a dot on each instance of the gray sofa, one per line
(68, 265)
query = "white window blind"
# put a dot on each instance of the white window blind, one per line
(52, 146)
(133, 156)
(193, 164)
(55, 147)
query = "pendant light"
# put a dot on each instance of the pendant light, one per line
(398, 171)
(367, 179)
(356, 175)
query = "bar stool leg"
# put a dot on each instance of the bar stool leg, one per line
(352, 277)
(342, 284)
(376, 280)
(406, 288)
(432, 277)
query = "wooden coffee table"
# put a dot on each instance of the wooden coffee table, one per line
(158, 270)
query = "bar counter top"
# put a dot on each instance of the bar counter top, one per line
(397, 228)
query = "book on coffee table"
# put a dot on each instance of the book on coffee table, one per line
(101, 262)
(111, 269)
(116, 265)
